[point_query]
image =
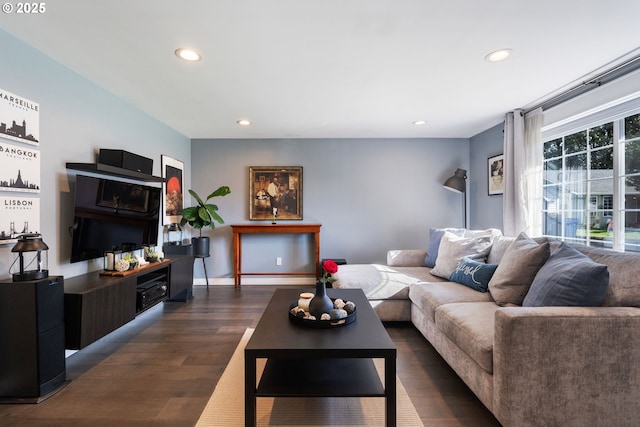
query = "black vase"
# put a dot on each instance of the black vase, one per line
(320, 303)
(200, 247)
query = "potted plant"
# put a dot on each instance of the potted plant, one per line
(203, 215)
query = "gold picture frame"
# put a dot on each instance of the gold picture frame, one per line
(278, 187)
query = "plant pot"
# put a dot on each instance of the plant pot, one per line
(200, 247)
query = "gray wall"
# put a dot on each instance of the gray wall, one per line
(77, 118)
(370, 195)
(485, 210)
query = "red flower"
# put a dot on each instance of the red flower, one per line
(330, 266)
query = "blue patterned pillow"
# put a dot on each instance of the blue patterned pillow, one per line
(568, 278)
(435, 235)
(473, 274)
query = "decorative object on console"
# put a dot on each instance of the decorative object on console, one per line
(172, 234)
(31, 252)
(110, 259)
(122, 265)
(275, 187)
(458, 184)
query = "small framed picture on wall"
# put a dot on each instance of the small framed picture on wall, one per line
(173, 194)
(496, 175)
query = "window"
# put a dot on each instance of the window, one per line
(585, 172)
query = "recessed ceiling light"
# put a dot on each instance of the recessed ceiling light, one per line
(420, 122)
(498, 55)
(243, 122)
(188, 54)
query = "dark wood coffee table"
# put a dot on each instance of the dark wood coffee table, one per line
(309, 362)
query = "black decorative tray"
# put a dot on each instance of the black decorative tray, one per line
(321, 324)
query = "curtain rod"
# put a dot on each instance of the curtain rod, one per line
(606, 76)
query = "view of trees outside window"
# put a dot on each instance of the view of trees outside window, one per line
(580, 186)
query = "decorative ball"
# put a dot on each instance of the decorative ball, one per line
(338, 303)
(325, 316)
(349, 307)
(337, 313)
(311, 317)
(122, 265)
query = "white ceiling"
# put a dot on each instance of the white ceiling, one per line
(332, 68)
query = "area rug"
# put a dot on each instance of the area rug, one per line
(226, 405)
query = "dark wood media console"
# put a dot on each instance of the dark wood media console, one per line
(95, 305)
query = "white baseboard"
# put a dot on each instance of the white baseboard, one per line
(228, 281)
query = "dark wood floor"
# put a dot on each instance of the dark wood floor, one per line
(161, 369)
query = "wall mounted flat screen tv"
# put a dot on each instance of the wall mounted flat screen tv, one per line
(113, 215)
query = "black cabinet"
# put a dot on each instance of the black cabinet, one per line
(32, 359)
(96, 305)
(181, 278)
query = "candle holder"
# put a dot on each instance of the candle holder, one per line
(110, 259)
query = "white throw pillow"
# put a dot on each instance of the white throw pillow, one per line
(453, 248)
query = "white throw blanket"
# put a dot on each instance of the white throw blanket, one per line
(376, 281)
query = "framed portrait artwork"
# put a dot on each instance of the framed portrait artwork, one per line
(173, 189)
(496, 174)
(275, 189)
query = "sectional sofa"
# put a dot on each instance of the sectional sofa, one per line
(550, 338)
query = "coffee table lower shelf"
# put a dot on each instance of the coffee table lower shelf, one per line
(353, 377)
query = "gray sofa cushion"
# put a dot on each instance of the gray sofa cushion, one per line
(453, 248)
(498, 248)
(517, 269)
(624, 271)
(429, 296)
(568, 278)
(470, 325)
(435, 235)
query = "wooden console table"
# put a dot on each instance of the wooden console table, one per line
(240, 229)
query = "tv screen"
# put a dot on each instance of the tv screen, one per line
(113, 215)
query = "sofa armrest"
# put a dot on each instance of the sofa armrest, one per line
(406, 257)
(567, 366)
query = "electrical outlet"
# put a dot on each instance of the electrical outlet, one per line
(278, 260)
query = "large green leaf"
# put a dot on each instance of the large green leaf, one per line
(194, 194)
(221, 191)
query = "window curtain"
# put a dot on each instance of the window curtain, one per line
(522, 199)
